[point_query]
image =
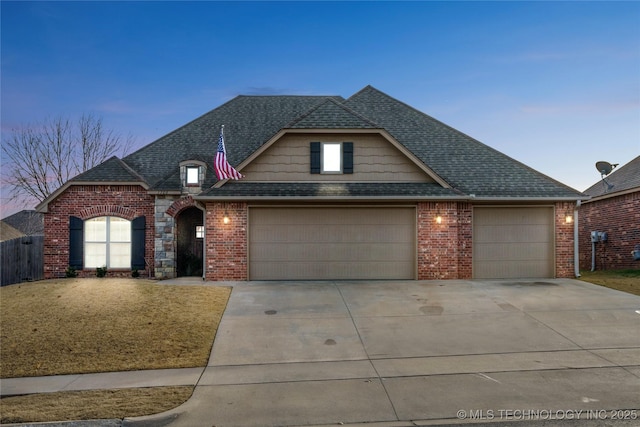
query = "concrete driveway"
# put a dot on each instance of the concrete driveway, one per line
(418, 353)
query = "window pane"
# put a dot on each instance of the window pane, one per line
(95, 255)
(120, 255)
(95, 230)
(119, 230)
(331, 158)
(199, 231)
(192, 175)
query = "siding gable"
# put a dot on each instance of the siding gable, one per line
(375, 159)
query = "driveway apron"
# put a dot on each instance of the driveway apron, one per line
(318, 353)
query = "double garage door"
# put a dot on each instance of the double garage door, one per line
(332, 243)
(337, 243)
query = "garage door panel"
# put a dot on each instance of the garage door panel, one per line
(331, 243)
(324, 270)
(513, 252)
(513, 233)
(513, 242)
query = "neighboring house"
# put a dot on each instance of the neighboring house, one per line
(29, 222)
(359, 188)
(614, 208)
(8, 232)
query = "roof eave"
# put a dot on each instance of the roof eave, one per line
(610, 195)
(327, 198)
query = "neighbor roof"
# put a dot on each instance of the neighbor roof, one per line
(622, 179)
(469, 167)
(28, 222)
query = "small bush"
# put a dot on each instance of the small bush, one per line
(135, 273)
(101, 271)
(70, 272)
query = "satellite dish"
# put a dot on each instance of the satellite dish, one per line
(605, 169)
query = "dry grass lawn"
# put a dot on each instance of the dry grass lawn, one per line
(90, 405)
(622, 280)
(73, 326)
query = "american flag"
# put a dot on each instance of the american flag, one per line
(223, 169)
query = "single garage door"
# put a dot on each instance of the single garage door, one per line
(513, 242)
(327, 243)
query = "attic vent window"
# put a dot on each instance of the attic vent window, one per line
(193, 177)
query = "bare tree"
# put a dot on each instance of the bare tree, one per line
(40, 159)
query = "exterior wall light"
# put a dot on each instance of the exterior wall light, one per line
(568, 218)
(438, 218)
(226, 219)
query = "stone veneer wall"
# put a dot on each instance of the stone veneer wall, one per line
(164, 242)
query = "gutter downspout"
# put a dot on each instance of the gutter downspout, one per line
(576, 253)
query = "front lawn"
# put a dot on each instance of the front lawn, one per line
(74, 326)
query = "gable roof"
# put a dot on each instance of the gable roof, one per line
(623, 179)
(463, 166)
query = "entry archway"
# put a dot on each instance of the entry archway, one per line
(190, 240)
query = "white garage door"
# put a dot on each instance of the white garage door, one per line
(326, 243)
(513, 242)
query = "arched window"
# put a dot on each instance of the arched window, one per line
(107, 242)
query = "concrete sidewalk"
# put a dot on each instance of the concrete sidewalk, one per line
(412, 353)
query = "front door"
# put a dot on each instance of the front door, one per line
(190, 238)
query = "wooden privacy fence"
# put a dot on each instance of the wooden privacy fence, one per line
(22, 259)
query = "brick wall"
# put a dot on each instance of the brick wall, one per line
(444, 249)
(90, 201)
(564, 240)
(619, 216)
(226, 248)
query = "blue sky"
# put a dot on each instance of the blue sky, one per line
(555, 85)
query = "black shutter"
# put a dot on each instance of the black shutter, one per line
(138, 227)
(315, 157)
(76, 242)
(347, 157)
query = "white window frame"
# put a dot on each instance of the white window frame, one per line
(325, 162)
(199, 231)
(109, 245)
(189, 172)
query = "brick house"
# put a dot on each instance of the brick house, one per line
(360, 188)
(614, 208)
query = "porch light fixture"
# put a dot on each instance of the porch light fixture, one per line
(568, 218)
(438, 218)
(225, 218)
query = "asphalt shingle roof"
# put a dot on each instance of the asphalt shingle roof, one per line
(624, 178)
(408, 190)
(249, 122)
(467, 165)
(112, 169)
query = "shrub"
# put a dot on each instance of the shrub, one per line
(135, 273)
(101, 271)
(70, 272)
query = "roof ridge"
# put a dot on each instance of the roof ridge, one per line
(338, 104)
